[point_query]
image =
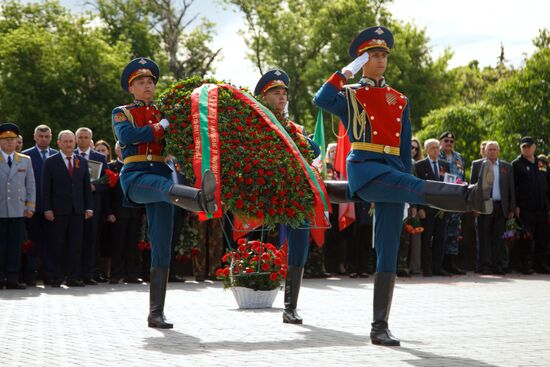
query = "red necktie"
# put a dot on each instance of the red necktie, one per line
(70, 166)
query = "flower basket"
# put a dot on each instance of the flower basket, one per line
(249, 298)
(258, 268)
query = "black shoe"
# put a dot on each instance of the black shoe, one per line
(499, 272)
(403, 273)
(100, 279)
(353, 275)
(15, 285)
(293, 283)
(157, 295)
(88, 281)
(56, 283)
(133, 280)
(114, 281)
(176, 279)
(441, 272)
(543, 270)
(74, 283)
(527, 271)
(427, 274)
(382, 298)
(31, 282)
(292, 317)
(364, 275)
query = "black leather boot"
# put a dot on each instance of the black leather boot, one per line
(196, 200)
(157, 294)
(293, 283)
(337, 192)
(462, 198)
(383, 293)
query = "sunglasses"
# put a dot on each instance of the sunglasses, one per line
(448, 141)
(414, 148)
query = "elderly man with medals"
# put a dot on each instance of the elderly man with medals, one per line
(377, 119)
(146, 179)
(272, 89)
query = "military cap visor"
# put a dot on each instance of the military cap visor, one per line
(446, 134)
(8, 130)
(271, 79)
(140, 67)
(527, 140)
(371, 39)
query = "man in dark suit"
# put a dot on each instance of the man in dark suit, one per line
(92, 227)
(67, 202)
(125, 253)
(433, 238)
(492, 254)
(38, 228)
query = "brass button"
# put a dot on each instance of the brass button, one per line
(375, 133)
(387, 149)
(400, 107)
(372, 117)
(397, 134)
(147, 108)
(149, 157)
(150, 121)
(398, 119)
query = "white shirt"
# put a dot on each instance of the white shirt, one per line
(6, 155)
(436, 165)
(496, 187)
(40, 151)
(66, 160)
(87, 152)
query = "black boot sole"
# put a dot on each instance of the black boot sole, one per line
(156, 325)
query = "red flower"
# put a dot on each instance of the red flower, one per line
(265, 266)
(239, 204)
(195, 252)
(26, 246)
(273, 276)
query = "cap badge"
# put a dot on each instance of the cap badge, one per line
(142, 61)
(379, 31)
(277, 73)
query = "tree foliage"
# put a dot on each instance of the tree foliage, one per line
(310, 39)
(523, 104)
(470, 123)
(56, 69)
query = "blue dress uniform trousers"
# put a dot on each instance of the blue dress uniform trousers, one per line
(298, 245)
(152, 190)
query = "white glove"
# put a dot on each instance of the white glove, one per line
(164, 123)
(356, 64)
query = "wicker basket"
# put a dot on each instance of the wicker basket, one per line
(249, 298)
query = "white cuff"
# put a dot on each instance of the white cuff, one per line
(165, 123)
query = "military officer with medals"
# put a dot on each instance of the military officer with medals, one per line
(146, 179)
(377, 119)
(17, 202)
(272, 88)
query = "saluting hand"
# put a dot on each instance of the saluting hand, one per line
(28, 213)
(352, 68)
(88, 214)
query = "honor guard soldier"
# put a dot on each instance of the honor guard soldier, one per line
(377, 120)
(146, 179)
(17, 202)
(273, 88)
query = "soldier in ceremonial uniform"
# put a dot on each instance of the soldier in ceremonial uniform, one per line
(17, 201)
(377, 119)
(146, 179)
(273, 87)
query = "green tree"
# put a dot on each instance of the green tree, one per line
(470, 123)
(61, 72)
(130, 21)
(310, 39)
(523, 105)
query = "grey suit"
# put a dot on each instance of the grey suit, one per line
(492, 252)
(17, 194)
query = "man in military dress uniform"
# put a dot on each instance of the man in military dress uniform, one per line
(273, 88)
(377, 119)
(17, 202)
(146, 179)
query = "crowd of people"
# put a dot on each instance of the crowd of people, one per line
(517, 229)
(95, 237)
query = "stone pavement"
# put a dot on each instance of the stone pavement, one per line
(460, 321)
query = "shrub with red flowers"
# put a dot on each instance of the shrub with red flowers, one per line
(254, 264)
(259, 175)
(187, 245)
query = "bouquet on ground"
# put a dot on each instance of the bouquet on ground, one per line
(255, 265)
